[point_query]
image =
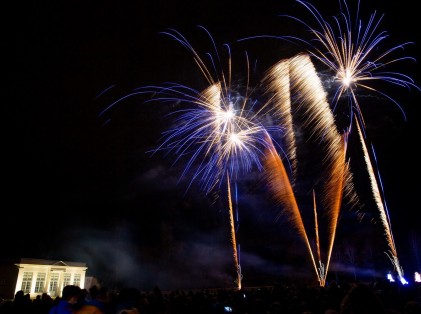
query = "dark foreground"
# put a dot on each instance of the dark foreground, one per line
(358, 298)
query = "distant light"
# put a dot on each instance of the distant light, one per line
(403, 281)
(390, 277)
(417, 277)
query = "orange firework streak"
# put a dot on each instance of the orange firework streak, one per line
(282, 190)
(334, 192)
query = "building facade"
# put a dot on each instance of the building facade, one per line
(38, 276)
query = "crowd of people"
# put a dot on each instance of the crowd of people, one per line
(351, 298)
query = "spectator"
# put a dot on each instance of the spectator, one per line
(68, 302)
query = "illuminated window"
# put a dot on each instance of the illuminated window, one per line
(39, 284)
(76, 280)
(66, 279)
(27, 282)
(53, 284)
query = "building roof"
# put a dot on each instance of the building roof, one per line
(49, 262)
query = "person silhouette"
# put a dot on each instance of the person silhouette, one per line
(68, 301)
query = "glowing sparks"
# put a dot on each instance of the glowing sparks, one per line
(221, 128)
(221, 132)
(233, 236)
(352, 52)
(283, 193)
(277, 80)
(310, 98)
(393, 255)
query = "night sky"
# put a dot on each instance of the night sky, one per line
(80, 186)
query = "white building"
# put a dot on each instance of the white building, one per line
(36, 276)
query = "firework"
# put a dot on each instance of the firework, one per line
(310, 98)
(352, 50)
(381, 205)
(219, 130)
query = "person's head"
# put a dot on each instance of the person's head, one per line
(19, 295)
(93, 292)
(71, 293)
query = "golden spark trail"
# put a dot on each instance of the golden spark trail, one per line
(379, 202)
(278, 83)
(321, 272)
(339, 176)
(316, 226)
(320, 120)
(310, 93)
(311, 99)
(233, 237)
